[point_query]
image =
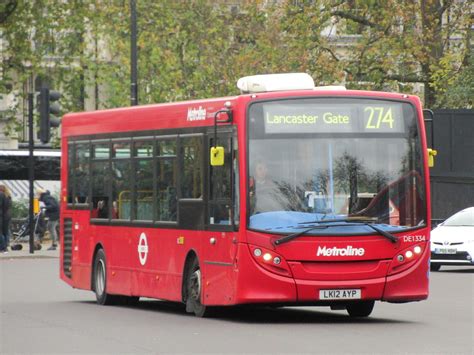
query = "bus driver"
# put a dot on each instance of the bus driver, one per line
(264, 193)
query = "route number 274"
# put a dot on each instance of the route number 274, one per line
(379, 116)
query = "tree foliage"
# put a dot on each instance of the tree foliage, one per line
(44, 40)
(199, 48)
(408, 42)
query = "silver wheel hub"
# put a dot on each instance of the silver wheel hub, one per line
(195, 286)
(100, 278)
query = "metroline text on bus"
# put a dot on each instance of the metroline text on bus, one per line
(286, 194)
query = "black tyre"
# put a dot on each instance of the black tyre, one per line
(194, 291)
(360, 309)
(100, 281)
(435, 267)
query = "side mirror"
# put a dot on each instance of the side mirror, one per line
(431, 154)
(217, 156)
(217, 152)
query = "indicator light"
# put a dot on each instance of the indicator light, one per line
(270, 260)
(406, 259)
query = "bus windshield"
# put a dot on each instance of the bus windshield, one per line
(317, 159)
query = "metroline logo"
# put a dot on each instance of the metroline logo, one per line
(347, 251)
(196, 114)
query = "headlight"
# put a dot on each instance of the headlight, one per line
(270, 260)
(405, 258)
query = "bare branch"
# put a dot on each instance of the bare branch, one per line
(447, 4)
(358, 19)
(331, 52)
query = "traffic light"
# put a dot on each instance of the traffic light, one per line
(48, 107)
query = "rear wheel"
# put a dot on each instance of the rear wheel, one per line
(194, 291)
(100, 281)
(435, 267)
(360, 309)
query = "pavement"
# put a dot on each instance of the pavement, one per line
(24, 253)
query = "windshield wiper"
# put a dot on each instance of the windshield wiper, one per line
(289, 237)
(386, 234)
(366, 221)
(326, 224)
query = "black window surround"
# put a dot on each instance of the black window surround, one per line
(196, 210)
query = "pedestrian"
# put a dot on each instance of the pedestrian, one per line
(8, 213)
(51, 207)
(5, 218)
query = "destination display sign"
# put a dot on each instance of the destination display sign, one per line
(342, 118)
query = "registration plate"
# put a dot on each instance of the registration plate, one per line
(445, 250)
(340, 294)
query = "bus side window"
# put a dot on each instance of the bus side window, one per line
(121, 177)
(221, 179)
(191, 173)
(100, 180)
(236, 179)
(81, 173)
(166, 181)
(144, 189)
(143, 170)
(70, 173)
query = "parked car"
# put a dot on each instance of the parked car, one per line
(452, 242)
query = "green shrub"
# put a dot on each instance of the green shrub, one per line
(20, 208)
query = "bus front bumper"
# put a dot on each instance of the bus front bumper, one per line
(258, 285)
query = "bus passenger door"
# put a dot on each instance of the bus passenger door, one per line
(220, 246)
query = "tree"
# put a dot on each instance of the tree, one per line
(198, 49)
(6, 9)
(44, 46)
(422, 41)
(459, 92)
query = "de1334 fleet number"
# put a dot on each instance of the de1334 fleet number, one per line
(414, 238)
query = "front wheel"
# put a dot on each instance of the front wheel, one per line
(194, 291)
(100, 280)
(360, 309)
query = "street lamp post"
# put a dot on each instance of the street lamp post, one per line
(133, 50)
(31, 172)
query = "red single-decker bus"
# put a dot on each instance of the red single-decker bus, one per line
(287, 194)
